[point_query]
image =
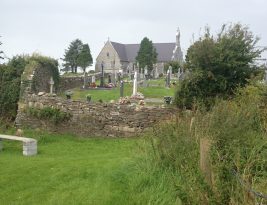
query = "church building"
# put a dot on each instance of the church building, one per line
(120, 58)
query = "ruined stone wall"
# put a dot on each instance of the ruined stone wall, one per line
(90, 120)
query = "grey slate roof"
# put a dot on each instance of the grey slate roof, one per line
(128, 52)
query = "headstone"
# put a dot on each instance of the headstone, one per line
(84, 79)
(121, 88)
(51, 82)
(156, 75)
(102, 75)
(109, 78)
(179, 74)
(119, 77)
(135, 84)
(142, 73)
(168, 78)
(146, 72)
(93, 79)
(115, 77)
(170, 69)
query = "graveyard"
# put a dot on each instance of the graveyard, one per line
(154, 88)
(140, 123)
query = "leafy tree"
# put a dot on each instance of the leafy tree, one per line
(219, 65)
(71, 55)
(147, 54)
(85, 58)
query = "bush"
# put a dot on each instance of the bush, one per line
(219, 66)
(10, 87)
(11, 75)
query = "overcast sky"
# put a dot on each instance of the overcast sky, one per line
(48, 26)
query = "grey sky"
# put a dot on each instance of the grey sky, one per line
(48, 26)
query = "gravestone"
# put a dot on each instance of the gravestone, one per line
(119, 77)
(179, 74)
(93, 79)
(102, 75)
(156, 72)
(142, 73)
(135, 84)
(170, 69)
(109, 78)
(51, 82)
(121, 88)
(146, 72)
(168, 78)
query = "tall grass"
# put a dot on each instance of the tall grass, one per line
(238, 154)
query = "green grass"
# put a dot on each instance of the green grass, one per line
(67, 170)
(72, 170)
(156, 89)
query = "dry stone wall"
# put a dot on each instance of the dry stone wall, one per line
(67, 83)
(90, 120)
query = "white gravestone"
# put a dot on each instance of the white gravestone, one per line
(93, 79)
(51, 82)
(135, 84)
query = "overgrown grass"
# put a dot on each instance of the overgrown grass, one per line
(237, 131)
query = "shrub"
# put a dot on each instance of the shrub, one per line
(219, 66)
(11, 75)
(10, 87)
(48, 113)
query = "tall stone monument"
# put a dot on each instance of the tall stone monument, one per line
(135, 84)
(177, 52)
(51, 82)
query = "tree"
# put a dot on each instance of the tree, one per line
(219, 65)
(85, 58)
(147, 54)
(71, 55)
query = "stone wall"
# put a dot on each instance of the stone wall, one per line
(90, 120)
(67, 83)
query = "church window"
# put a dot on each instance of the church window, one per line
(108, 54)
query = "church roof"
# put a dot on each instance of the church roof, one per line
(128, 52)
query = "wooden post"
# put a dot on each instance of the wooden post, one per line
(205, 165)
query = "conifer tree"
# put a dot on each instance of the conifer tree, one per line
(147, 54)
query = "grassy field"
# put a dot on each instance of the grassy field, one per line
(155, 89)
(71, 170)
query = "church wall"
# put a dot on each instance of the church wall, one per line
(108, 55)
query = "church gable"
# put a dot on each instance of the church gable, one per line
(108, 56)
